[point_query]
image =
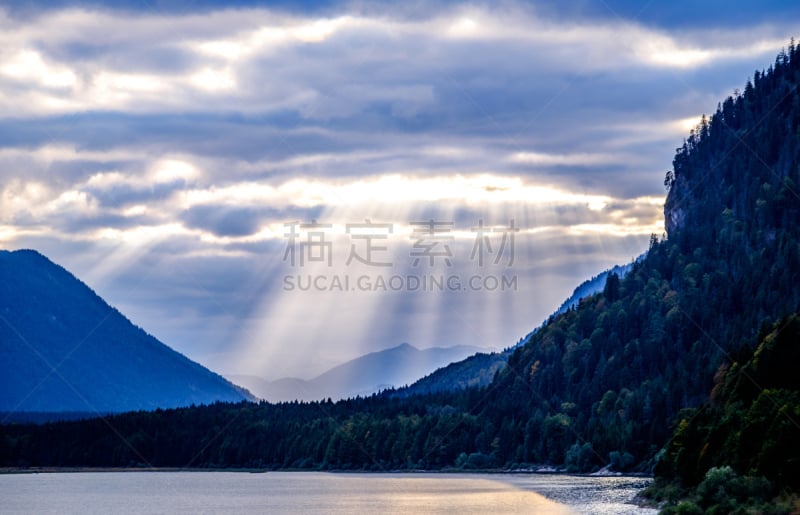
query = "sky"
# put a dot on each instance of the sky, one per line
(273, 189)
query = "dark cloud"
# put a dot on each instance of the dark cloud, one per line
(122, 195)
(223, 221)
(237, 221)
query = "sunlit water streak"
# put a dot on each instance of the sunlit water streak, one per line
(310, 492)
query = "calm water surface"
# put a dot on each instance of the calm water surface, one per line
(312, 493)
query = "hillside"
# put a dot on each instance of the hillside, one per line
(477, 370)
(741, 449)
(603, 381)
(62, 348)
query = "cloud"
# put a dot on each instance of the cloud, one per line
(232, 221)
(159, 152)
(256, 60)
(580, 159)
(28, 65)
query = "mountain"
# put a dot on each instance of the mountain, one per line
(479, 370)
(362, 376)
(601, 383)
(62, 348)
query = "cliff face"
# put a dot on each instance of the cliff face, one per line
(735, 176)
(675, 207)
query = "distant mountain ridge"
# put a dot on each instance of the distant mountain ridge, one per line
(479, 369)
(63, 348)
(362, 376)
(476, 370)
(594, 285)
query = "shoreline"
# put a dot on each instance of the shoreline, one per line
(75, 470)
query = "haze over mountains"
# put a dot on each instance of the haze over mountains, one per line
(407, 369)
(390, 368)
(479, 369)
(62, 348)
(65, 350)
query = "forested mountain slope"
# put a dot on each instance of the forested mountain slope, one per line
(615, 371)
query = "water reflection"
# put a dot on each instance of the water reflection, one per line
(312, 493)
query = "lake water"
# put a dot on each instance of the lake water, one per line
(315, 492)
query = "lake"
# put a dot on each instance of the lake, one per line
(316, 492)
